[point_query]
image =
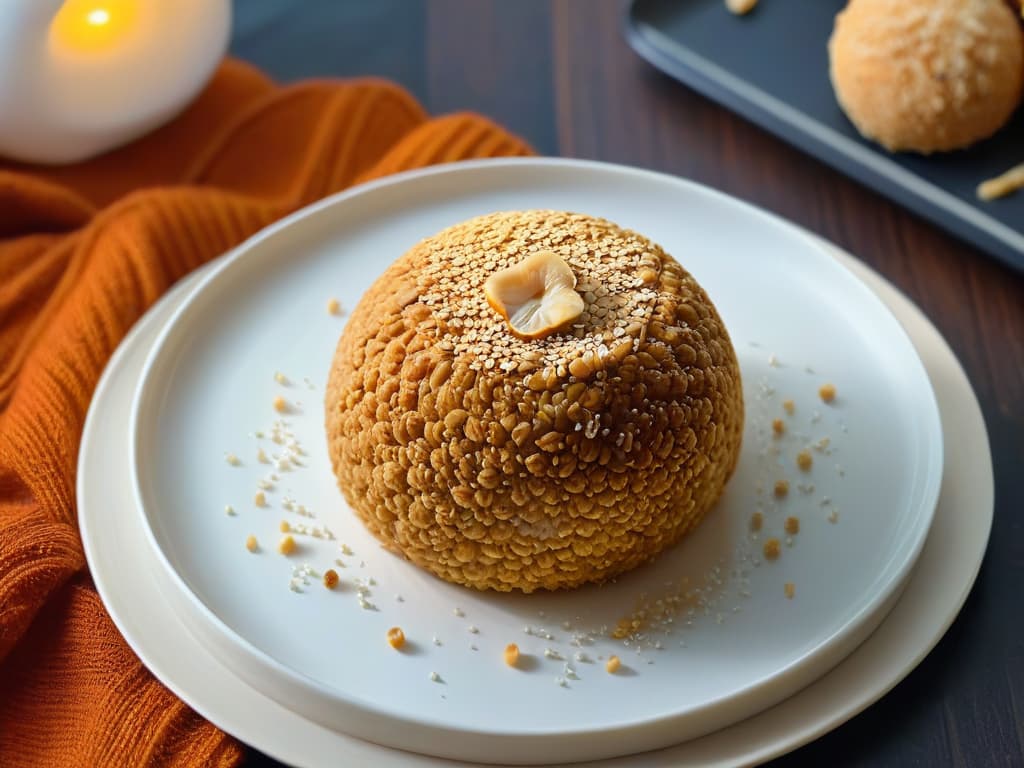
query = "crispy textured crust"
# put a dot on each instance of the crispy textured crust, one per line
(927, 76)
(503, 463)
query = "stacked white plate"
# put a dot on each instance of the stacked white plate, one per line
(749, 657)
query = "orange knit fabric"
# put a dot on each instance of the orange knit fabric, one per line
(84, 250)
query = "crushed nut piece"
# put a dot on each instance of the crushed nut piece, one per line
(790, 589)
(511, 654)
(536, 296)
(1003, 184)
(778, 427)
(612, 665)
(792, 525)
(285, 526)
(396, 637)
(804, 460)
(788, 406)
(280, 404)
(251, 544)
(287, 545)
(756, 521)
(771, 549)
(333, 307)
(781, 488)
(827, 393)
(260, 499)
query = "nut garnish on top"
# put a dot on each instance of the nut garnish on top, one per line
(536, 296)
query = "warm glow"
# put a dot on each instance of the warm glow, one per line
(93, 25)
(98, 17)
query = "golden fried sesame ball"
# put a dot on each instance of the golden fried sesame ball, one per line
(927, 75)
(501, 462)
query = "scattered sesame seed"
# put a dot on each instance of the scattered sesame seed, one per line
(260, 499)
(261, 456)
(834, 516)
(458, 611)
(231, 459)
(229, 510)
(344, 549)
(790, 589)
(792, 525)
(436, 640)
(473, 630)
(773, 361)
(333, 307)
(804, 461)
(551, 653)
(788, 406)
(280, 378)
(251, 544)
(435, 678)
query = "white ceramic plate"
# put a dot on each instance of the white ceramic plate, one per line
(741, 647)
(133, 587)
(121, 563)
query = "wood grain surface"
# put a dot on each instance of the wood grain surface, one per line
(559, 73)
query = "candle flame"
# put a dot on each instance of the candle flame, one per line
(98, 17)
(93, 26)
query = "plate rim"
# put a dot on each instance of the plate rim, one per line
(420, 729)
(843, 708)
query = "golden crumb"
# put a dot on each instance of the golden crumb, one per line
(771, 549)
(790, 589)
(788, 406)
(260, 499)
(511, 654)
(251, 544)
(280, 378)
(396, 637)
(781, 488)
(778, 427)
(804, 460)
(740, 7)
(287, 545)
(756, 521)
(827, 393)
(330, 578)
(792, 525)
(612, 665)
(333, 307)
(285, 527)
(280, 404)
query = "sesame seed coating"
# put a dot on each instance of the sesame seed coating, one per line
(505, 463)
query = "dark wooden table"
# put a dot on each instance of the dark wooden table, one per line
(560, 74)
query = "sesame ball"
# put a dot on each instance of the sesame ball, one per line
(508, 463)
(927, 75)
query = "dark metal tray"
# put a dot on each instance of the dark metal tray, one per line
(771, 66)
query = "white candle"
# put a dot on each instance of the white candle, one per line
(80, 77)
